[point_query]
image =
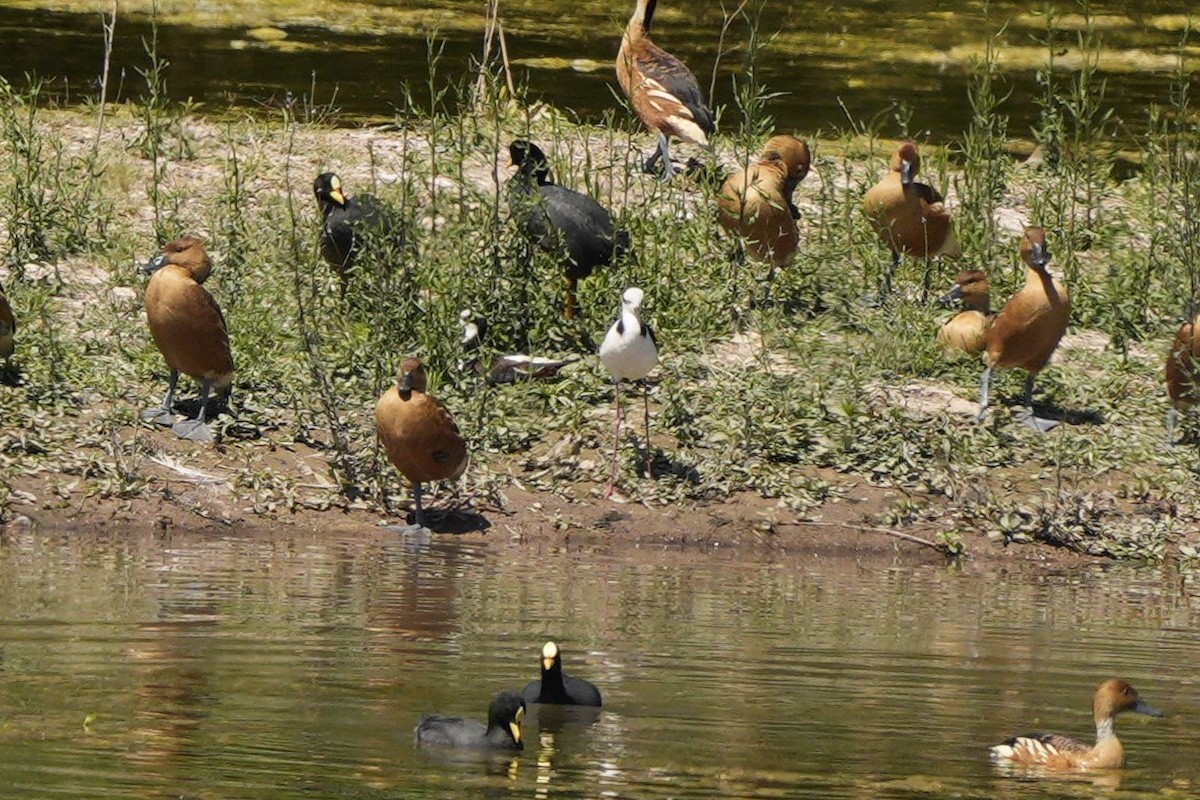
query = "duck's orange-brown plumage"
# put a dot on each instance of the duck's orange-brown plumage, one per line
(661, 89)
(1183, 373)
(754, 205)
(967, 330)
(798, 157)
(910, 216)
(420, 437)
(8, 326)
(1052, 751)
(1028, 329)
(185, 320)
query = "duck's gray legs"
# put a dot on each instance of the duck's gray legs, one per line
(985, 385)
(196, 430)
(664, 153)
(162, 416)
(1039, 424)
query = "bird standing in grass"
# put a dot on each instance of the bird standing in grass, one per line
(189, 329)
(756, 203)
(418, 433)
(629, 351)
(967, 330)
(568, 225)
(1027, 330)
(351, 224)
(1183, 375)
(909, 216)
(661, 89)
(8, 326)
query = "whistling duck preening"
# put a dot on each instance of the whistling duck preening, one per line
(1061, 752)
(502, 732)
(967, 329)
(557, 687)
(418, 433)
(1183, 377)
(798, 157)
(189, 329)
(756, 203)
(8, 326)
(629, 351)
(910, 216)
(663, 92)
(568, 225)
(1025, 333)
(349, 224)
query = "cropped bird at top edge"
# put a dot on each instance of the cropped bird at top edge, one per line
(661, 89)
(420, 437)
(966, 331)
(1183, 373)
(1028, 329)
(556, 687)
(189, 330)
(502, 731)
(909, 216)
(1052, 751)
(350, 224)
(506, 368)
(629, 351)
(569, 225)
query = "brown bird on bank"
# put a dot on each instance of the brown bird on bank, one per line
(756, 203)
(661, 89)
(967, 329)
(1183, 377)
(189, 329)
(418, 433)
(798, 157)
(8, 326)
(909, 216)
(1027, 330)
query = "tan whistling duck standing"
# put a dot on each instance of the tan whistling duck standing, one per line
(8, 326)
(1052, 751)
(1183, 378)
(756, 203)
(418, 433)
(189, 329)
(1026, 332)
(629, 351)
(909, 216)
(663, 92)
(966, 330)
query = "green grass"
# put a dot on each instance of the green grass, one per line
(794, 392)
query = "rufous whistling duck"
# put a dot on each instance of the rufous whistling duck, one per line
(967, 329)
(755, 204)
(569, 225)
(8, 326)
(1183, 377)
(796, 154)
(629, 351)
(557, 687)
(418, 433)
(661, 89)
(1051, 751)
(351, 224)
(502, 732)
(1027, 330)
(189, 329)
(909, 216)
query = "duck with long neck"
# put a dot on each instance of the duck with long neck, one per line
(661, 89)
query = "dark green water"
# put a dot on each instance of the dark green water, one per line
(877, 60)
(297, 665)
